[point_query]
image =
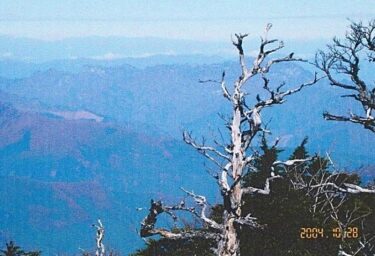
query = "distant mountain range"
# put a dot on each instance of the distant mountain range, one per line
(13, 68)
(163, 99)
(103, 48)
(82, 139)
(117, 47)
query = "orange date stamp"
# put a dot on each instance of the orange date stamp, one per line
(318, 232)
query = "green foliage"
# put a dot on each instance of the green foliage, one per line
(11, 249)
(300, 152)
(282, 213)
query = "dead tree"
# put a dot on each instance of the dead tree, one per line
(100, 249)
(342, 62)
(235, 158)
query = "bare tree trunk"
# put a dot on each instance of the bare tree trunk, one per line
(230, 243)
(100, 249)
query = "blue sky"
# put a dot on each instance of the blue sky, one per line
(199, 20)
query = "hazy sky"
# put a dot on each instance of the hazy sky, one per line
(199, 20)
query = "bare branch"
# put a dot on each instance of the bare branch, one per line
(238, 45)
(202, 202)
(204, 150)
(367, 122)
(277, 97)
(292, 162)
(249, 221)
(265, 191)
(226, 93)
(148, 224)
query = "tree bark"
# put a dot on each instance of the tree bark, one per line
(230, 243)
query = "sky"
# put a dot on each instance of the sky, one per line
(208, 20)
